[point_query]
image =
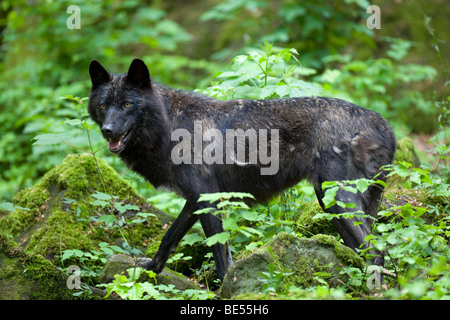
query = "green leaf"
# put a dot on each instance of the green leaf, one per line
(250, 215)
(362, 185)
(283, 91)
(125, 207)
(100, 203)
(329, 197)
(73, 122)
(8, 206)
(109, 218)
(191, 239)
(204, 210)
(213, 197)
(101, 196)
(251, 230)
(49, 138)
(346, 205)
(230, 224)
(227, 74)
(232, 204)
(72, 253)
(218, 238)
(381, 183)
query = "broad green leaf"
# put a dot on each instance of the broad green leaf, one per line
(218, 238)
(109, 218)
(50, 138)
(230, 224)
(249, 215)
(252, 230)
(8, 206)
(362, 185)
(73, 122)
(190, 239)
(99, 203)
(101, 196)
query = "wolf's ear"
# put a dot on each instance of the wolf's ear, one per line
(138, 74)
(98, 74)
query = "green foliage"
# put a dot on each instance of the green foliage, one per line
(42, 60)
(316, 28)
(231, 211)
(414, 239)
(266, 73)
(128, 288)
(385, 85)
(92, 261)
(272, 279)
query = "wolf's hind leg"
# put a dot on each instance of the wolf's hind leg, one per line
(352, 230)
(221, 252)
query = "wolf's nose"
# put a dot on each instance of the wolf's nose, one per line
(107, 130)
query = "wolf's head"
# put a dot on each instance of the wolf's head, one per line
(118, 103)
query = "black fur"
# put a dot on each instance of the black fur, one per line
(320, 139)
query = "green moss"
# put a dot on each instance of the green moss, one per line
(299, 266)
(303, 258)
(26, 276)
(76, 178)
(311, 259)
(406, 151)
(61, 231)
(343, 253)
(308, 226)
(61, 215)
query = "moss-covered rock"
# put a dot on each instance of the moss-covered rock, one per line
(28, 276)
(406, 152)
(60, 212)
(301, 257)
(308, 225)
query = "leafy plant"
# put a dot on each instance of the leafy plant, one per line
(263, 74)
(318, 28)
(128, 288)
(354, 186)
(414, 239)
(386, 85)
(231, 211)
(92, 261)
(272, 279)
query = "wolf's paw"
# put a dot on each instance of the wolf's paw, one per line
(150, 264)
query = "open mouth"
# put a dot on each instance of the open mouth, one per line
(116, 145)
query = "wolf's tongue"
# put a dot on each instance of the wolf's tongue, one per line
(114, 144)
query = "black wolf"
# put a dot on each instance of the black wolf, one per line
(320, 139)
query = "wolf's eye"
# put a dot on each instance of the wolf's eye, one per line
(102, 106)
(127, 104)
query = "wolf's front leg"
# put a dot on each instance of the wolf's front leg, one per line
(173, 236)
